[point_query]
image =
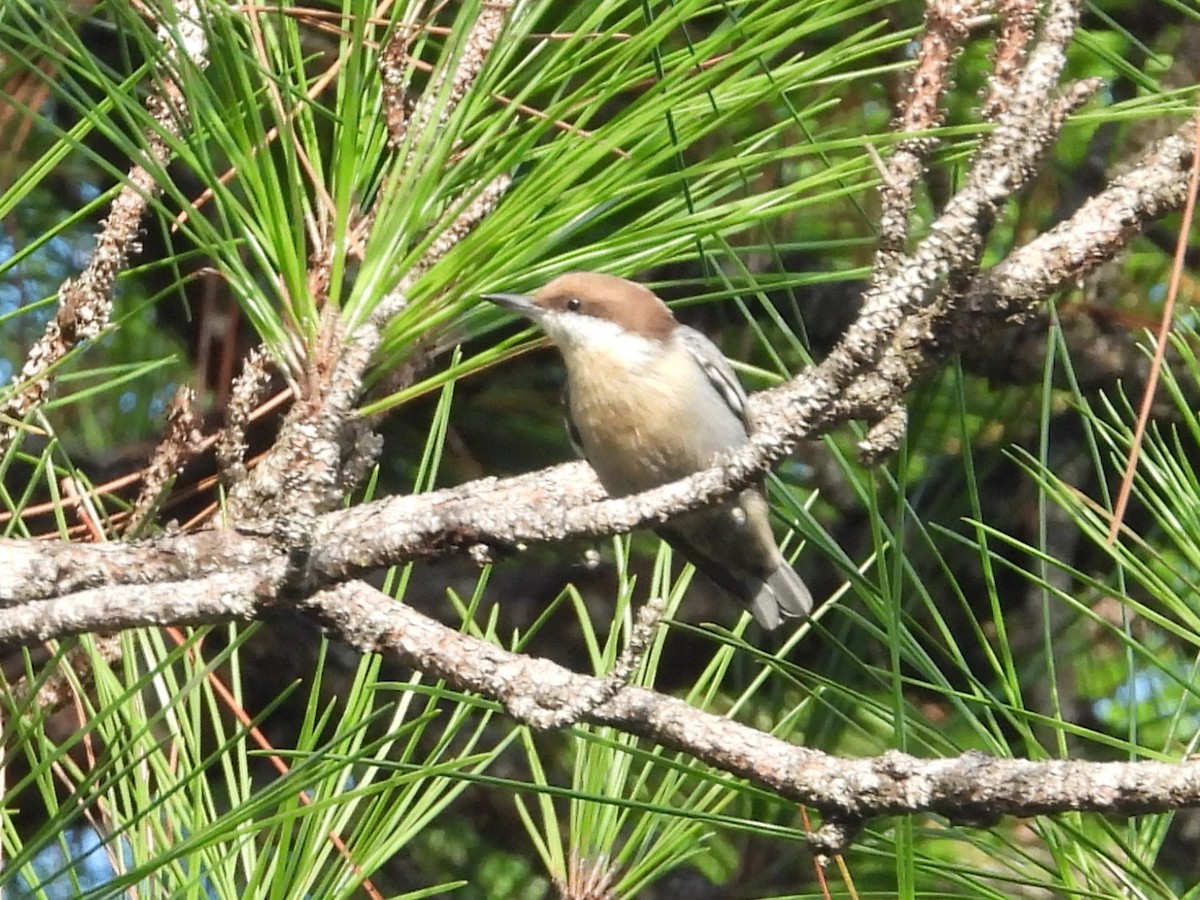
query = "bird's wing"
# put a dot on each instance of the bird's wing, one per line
(717, 370)
(572, 429)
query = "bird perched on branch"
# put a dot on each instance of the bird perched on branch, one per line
(650, 401)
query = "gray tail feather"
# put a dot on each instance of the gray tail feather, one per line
(782, 593)
(771, 597)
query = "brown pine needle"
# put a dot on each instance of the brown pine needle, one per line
(1160, 348)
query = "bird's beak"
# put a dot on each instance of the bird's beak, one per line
(518, 303)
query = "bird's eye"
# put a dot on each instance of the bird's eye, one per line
(573, 304)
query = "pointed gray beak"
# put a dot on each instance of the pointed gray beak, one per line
(518, 303)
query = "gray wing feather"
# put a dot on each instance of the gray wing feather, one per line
(572, 429)
(717, 369)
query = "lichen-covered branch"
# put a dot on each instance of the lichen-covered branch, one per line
(948, 23)
(181, 442)
(972, 789)
(85, 302)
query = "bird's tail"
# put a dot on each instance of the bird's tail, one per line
(781, 594)
(732, 544)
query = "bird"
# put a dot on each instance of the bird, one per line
(648, 401)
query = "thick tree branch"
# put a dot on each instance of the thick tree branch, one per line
(1101, 228)
(237, 595)
(972, 789)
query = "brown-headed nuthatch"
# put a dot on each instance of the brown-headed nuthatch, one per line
(650, 401)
